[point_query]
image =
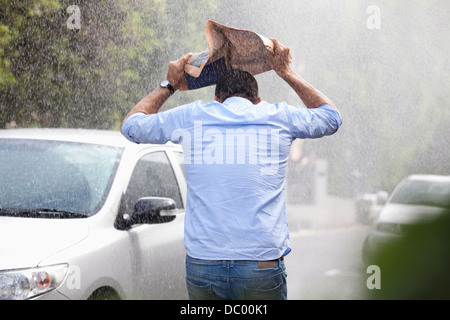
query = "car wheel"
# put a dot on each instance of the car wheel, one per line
(104, 293)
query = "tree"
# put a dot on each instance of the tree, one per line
(57, 74)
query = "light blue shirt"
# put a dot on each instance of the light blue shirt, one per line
(235, 160)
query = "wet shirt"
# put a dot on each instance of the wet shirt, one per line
(235, 161)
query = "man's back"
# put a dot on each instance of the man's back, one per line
(235, 157)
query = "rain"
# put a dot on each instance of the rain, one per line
(384, 64)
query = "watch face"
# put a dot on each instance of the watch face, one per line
(166, 84)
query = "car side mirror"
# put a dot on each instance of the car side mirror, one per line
(149, 210)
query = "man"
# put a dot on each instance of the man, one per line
(236, 149)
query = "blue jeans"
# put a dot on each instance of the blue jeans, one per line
(235, 280)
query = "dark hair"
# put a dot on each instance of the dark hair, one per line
(237, 83)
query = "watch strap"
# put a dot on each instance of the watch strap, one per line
(166, 84)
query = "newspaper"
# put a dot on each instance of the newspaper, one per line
(228, 48)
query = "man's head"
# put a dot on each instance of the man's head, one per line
(237, 83)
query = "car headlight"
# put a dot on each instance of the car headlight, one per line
(23, 284)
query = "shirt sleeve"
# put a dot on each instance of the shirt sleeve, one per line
(314, 123)
(155, 128)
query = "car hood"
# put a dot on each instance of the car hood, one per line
(408, 214)
(25, 242)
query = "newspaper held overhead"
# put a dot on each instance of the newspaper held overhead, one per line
(228, 48)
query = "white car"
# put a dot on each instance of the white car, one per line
(369, 205)
(85, 214)
(416, 199)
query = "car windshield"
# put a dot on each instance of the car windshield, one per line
(428, 193)
(40, 178)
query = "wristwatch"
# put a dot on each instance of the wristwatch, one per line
(166, 84)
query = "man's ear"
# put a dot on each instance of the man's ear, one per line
(257, 100)
(217, 99)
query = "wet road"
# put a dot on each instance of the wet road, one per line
(325, 262)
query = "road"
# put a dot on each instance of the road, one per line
(325, 262)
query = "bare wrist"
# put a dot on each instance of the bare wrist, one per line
(285, 72)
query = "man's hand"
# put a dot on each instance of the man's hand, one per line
(281, 57)
(176, 74)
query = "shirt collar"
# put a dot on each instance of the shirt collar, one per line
(238, 100)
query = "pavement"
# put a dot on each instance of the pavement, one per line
(331, 213)
(325, 262)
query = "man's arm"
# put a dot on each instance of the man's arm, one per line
(155, 100)
(280, 62)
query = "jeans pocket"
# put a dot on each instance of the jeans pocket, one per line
(275, 293)
(200, 291)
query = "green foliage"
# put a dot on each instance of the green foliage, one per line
(6, 77)
(416, 266)
(53, 76)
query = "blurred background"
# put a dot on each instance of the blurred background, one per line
(383, 63)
